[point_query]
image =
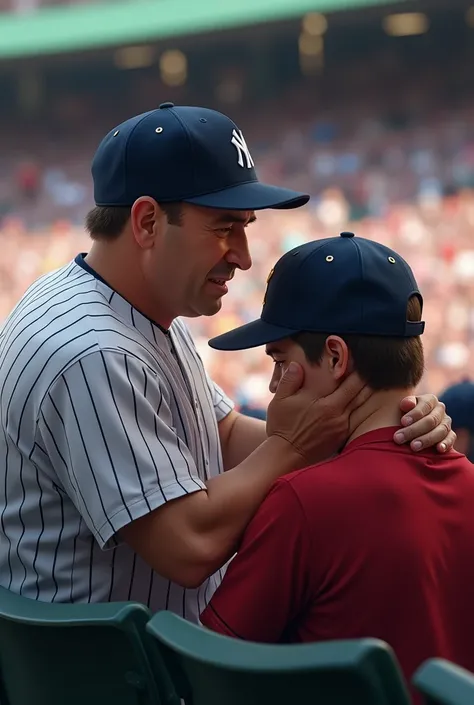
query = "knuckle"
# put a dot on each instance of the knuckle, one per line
(329, 408)
(445, 427)
(426, 408)
(442, 406)
(434, 421)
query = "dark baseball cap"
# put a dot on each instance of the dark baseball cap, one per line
(459, 401)
(339, 285)
(186, 154)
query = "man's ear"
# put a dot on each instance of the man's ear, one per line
(147, 221)
(338, 357)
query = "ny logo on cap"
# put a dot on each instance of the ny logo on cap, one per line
(242, 150)
(268, 282)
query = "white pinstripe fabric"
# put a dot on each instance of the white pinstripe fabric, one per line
(104, 417)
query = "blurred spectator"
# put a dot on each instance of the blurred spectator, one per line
(459, 400)
(28, 180)
(253, 411)
(404, 178)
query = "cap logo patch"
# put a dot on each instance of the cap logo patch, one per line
(268, 281)
(243, 151)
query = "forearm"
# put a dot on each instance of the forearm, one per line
(233, 498)
(202, 530)
(246, 435)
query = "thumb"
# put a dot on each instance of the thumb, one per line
(291, 381)
(408, 404)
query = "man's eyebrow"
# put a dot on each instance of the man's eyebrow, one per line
(234, 218)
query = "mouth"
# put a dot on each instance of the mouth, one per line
(219, 285)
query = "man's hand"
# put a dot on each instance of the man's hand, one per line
(316, 428)
(426, 424)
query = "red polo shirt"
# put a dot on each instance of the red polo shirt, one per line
(378, 542)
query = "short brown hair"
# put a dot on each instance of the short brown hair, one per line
(382, 362)
(108, 222)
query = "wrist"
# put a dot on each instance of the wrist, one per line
(286, 453)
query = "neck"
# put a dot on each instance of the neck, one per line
(120, 269)
(380, 411)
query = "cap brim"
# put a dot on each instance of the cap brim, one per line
(250, 335)
(251, 196)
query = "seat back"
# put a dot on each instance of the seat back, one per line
(444, 683)
(210, 669)
(79, 654)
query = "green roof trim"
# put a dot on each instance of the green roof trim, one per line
(81, 27)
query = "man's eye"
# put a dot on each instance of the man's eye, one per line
(278, 363)
(222, 232)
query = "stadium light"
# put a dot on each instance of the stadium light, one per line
(405, 24)
(310, 45)
(311, 51)
(314, 24)
(173, 67)
(134, 57)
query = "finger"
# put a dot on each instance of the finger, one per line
(422, 427)
(425, 404)
(291, 381)
(433, 437)
(448, 443)
(346, 394)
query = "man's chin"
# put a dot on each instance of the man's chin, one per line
(211, 308)
(207, 308)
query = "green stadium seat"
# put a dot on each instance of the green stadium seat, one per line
(444, 683)
(79, 654)
(210, 669)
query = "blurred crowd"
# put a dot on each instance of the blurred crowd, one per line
(398, 167)
(434, 235)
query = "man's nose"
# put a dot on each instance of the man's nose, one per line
(239, 254)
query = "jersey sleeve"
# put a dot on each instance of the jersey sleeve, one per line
(267, 583)
(222, 404)
(108, 430)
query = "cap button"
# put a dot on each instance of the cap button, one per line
(166, 105)
(347, 234)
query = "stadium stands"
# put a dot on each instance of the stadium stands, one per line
(383, 139)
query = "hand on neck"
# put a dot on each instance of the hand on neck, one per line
(382, 410)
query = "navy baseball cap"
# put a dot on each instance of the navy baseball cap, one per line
(459, 401)
(339, 285)
(186, 154)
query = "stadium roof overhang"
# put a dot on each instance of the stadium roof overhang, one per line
(106, 24)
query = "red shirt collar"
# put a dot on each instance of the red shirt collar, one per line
(379, 435)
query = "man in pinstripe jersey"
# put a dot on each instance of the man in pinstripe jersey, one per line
(114, 439)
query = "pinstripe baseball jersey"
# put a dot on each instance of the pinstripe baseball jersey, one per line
(104, 417)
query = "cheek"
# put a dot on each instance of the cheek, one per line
(319, 381)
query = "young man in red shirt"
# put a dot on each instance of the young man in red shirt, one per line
(378, 541)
